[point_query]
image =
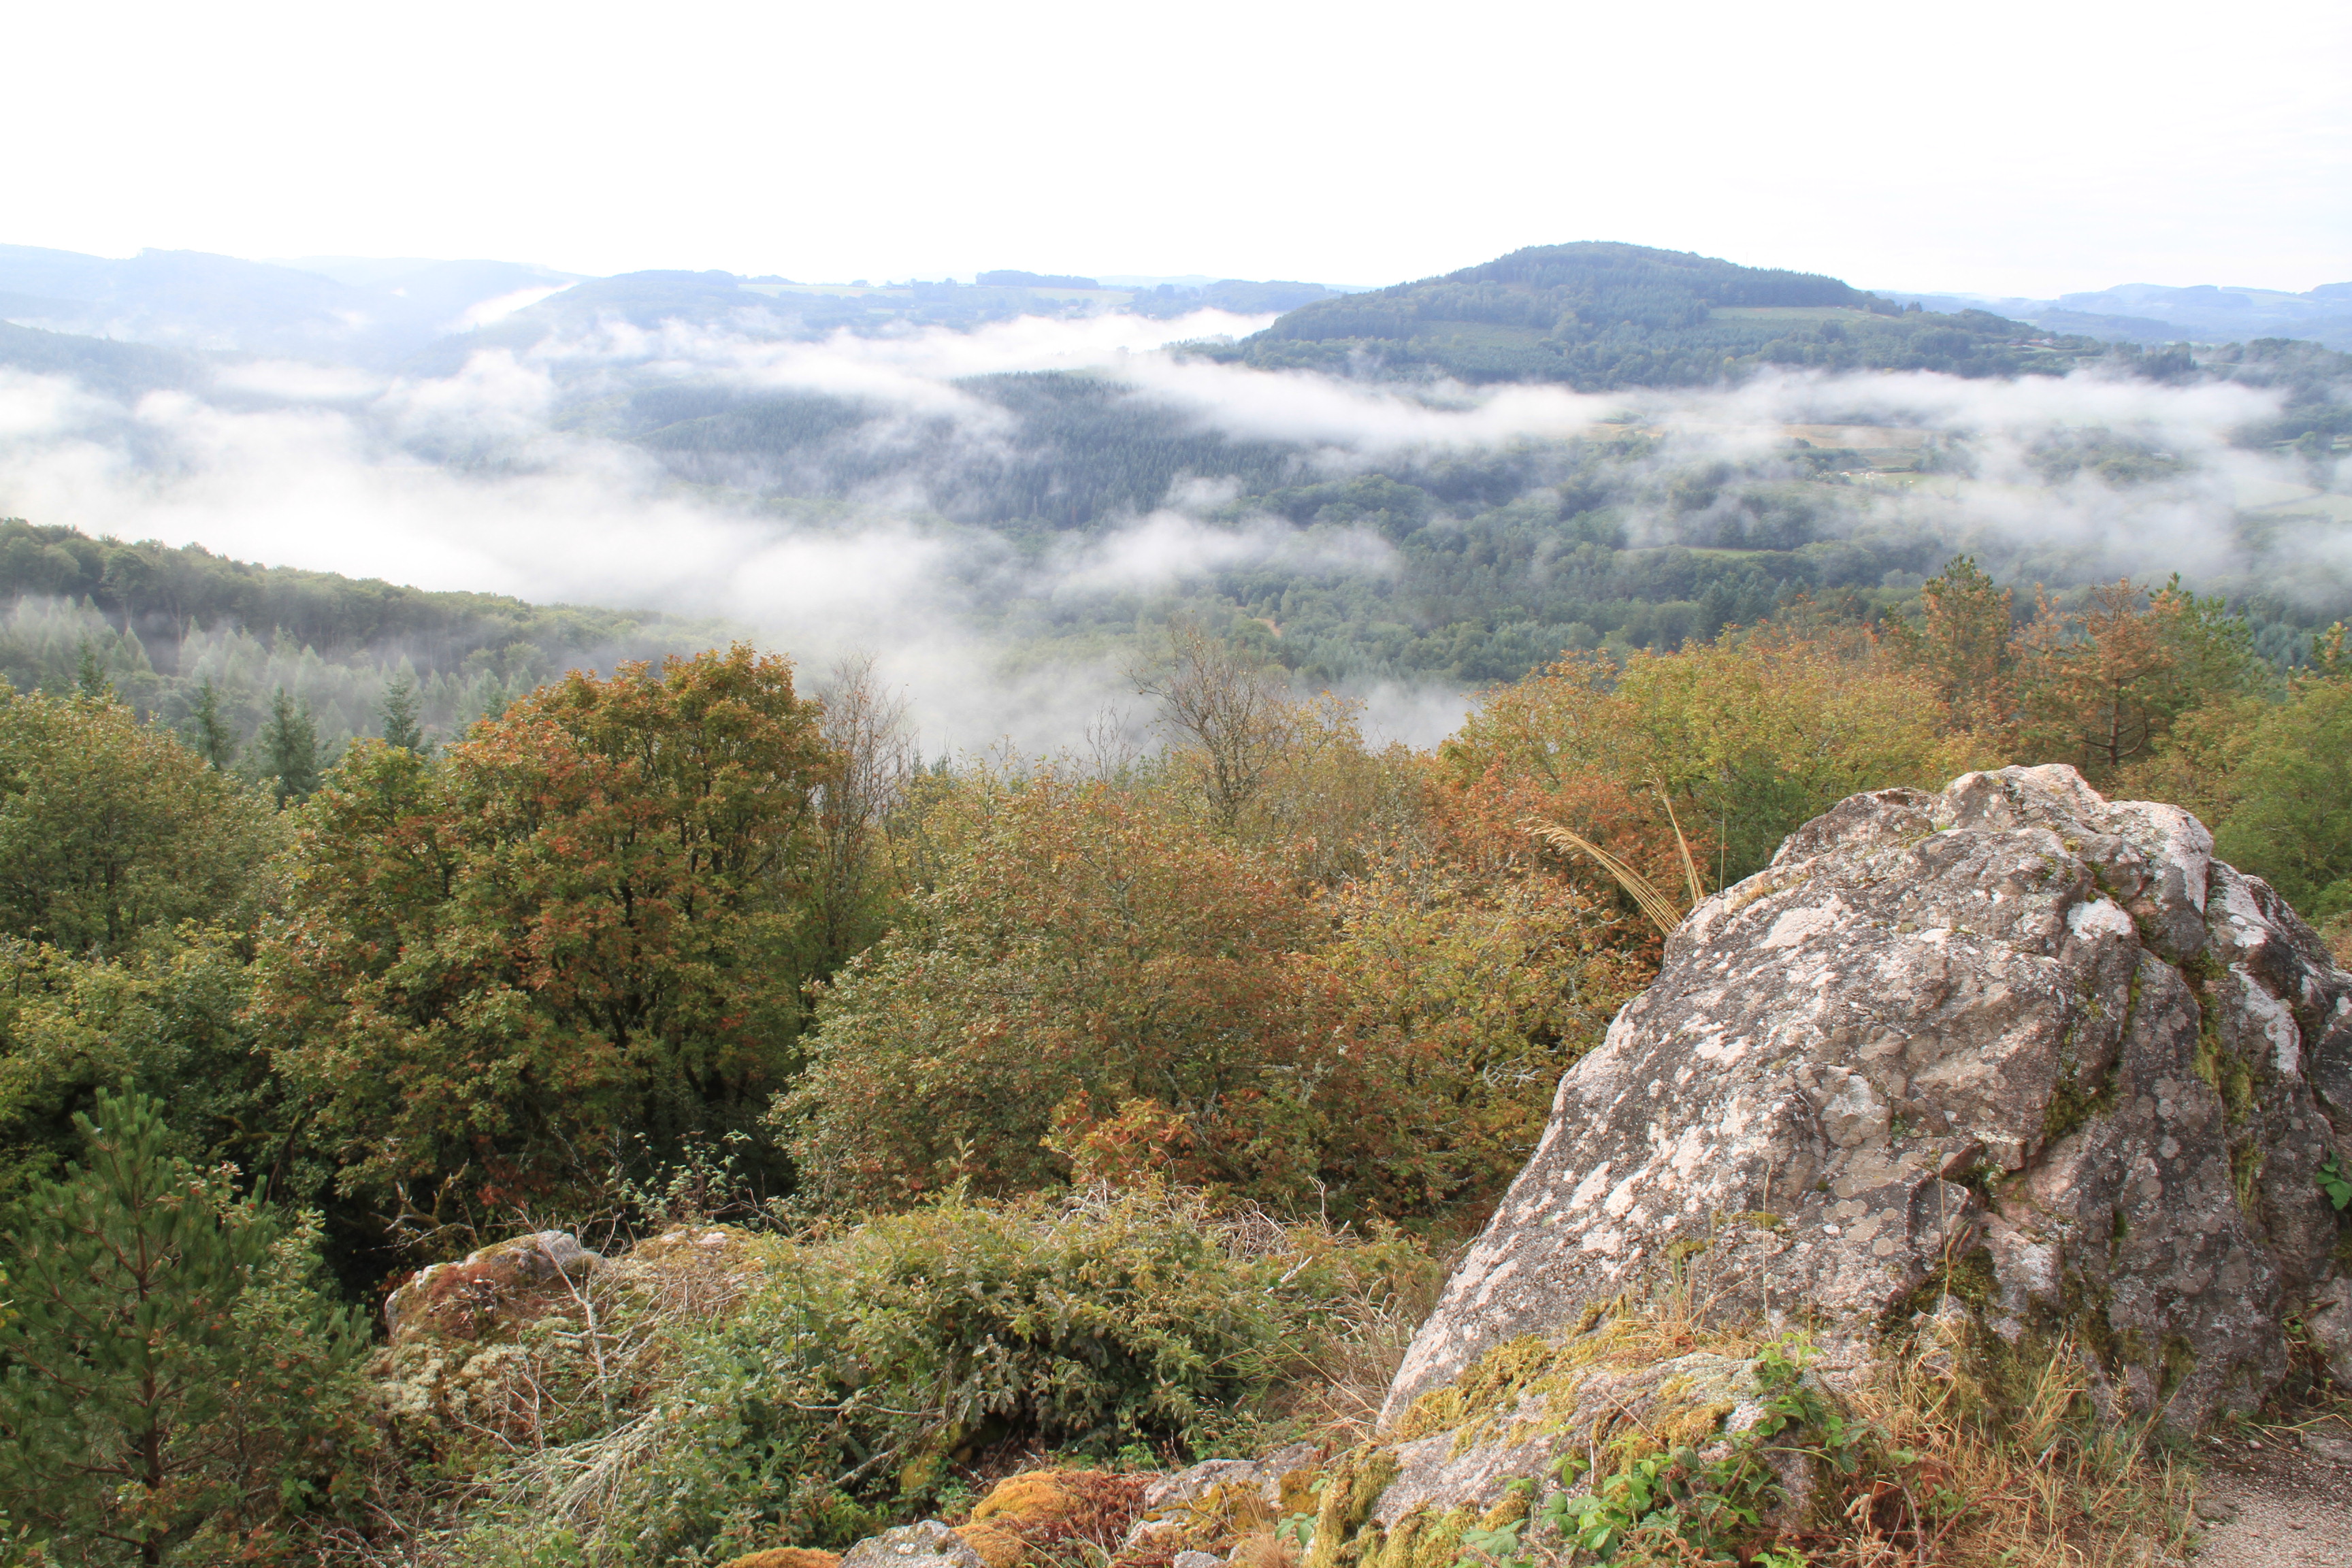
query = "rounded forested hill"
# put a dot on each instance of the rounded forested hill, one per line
(1598, 315)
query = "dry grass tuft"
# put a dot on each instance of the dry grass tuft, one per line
(2048, 1486)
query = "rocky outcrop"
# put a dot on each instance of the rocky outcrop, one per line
(1212, 1503)
(2013, 1060)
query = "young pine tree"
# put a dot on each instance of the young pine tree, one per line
(90, 680)
(289, 747)
(172, 1368)
(399, 716)
(209, 734)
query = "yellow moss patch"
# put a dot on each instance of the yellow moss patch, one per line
(1693, 1425)
(1356, 1484)
(1025, 1515)
(787, 1557)
(1422, 1539)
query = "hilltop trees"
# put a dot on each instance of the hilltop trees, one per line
(1964, 645)
(572, 938)
(1745, 737)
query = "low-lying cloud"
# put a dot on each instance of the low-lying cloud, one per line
(492, 478)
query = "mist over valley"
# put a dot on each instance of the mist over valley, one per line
(1001, 487)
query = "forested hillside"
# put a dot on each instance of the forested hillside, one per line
(1600, 316)
(163, 625)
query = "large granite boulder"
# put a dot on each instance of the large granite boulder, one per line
(2012, 1063)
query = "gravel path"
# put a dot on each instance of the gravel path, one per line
(2282, 1502)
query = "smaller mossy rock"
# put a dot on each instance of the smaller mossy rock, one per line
(1214, 1504)
(488, 1293)
(787, 1557)
(475, 1347)
(1026, 1516)
(428, 1388)
(1486, 1452)
(929, 1544)
(692, 1271)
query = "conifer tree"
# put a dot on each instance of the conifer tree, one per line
(399, 715)
(170, 1363)
(289, 747)
(209, 734)
(90, 678)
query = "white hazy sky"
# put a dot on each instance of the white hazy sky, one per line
(1998, 147)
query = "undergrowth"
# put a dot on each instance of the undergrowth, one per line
(859, 1377)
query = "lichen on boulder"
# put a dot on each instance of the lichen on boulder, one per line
(2010, 1063)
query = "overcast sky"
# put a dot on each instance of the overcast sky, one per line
(2027, 148)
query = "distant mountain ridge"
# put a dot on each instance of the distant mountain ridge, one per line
(193, 300)
(2159, 313)
(424, 316)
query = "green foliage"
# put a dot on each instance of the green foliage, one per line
(398, 715)
(209, 734)
(168, 1022)
(835, 1396)
(2337, 1182)
(2290, 776)
(287, 750)
(111, 829)
(172, 1368)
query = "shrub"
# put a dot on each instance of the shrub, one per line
(1084, 955)
(850, 1380)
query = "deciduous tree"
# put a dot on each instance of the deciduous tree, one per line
(502, 971)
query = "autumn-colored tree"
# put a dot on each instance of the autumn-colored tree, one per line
(570, 938)
(1963, 642)
(112, 829)
(1083, 954)
(2101, 686)
(1747, 737)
